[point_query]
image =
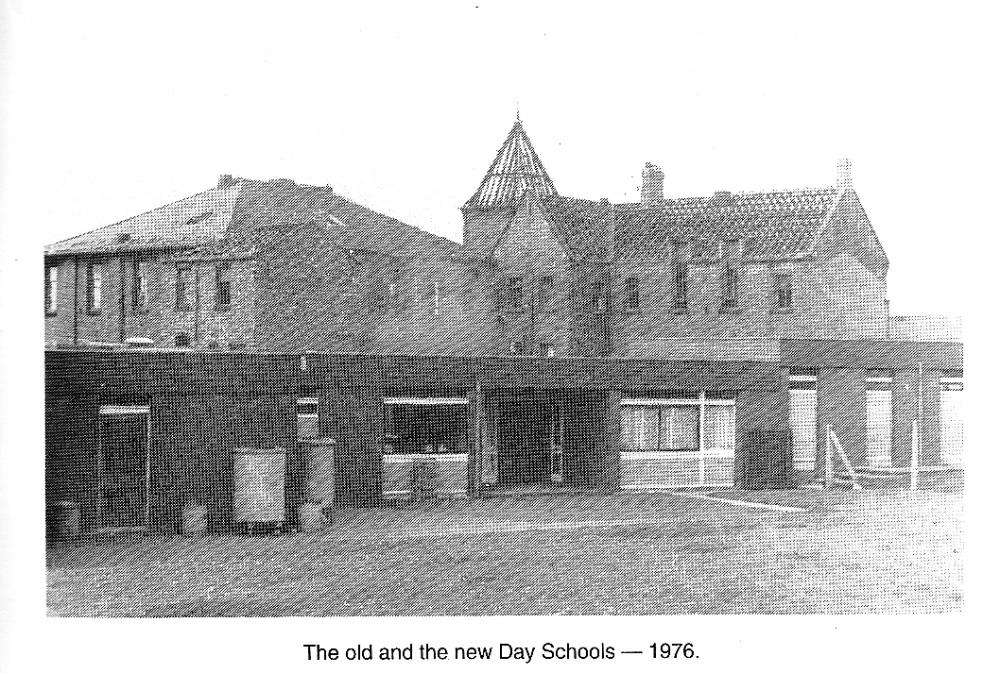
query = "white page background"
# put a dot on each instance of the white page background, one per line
(109, 109)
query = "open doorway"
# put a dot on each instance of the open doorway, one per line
(531, 436)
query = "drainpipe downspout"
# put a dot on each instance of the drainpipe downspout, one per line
(76, 299)
(121, 299)
(197, 302)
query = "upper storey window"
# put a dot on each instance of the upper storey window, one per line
(598, 298)
(51, 289)
(632, 293)
(730, 288)
(95, 279)
(729, 250)
(183, 288)
(513, 295)
(223, 287)
(140, 286)
(682, 258)
(783, 290)
(546, 287)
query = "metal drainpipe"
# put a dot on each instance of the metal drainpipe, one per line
(532, 328)
(121, 299)
(197, 302)
(76, 299)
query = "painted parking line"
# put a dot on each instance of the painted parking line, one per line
(744, 503)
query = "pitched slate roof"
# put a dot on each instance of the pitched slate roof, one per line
(206, 221)
(584, 227)
(515, 168)
(276, 203)
(771, 225)
(193, 220)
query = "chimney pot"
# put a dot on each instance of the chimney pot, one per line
(652, 185)
(844, 180)
(225, 180)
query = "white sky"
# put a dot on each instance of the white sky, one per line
(115, 109)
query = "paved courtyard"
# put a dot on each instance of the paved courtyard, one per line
(662, 553)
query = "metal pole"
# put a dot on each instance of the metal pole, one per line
(701, 438)
(828, 482)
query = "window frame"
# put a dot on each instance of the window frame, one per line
(599, 296)
(51, 289)
(223, 280)
(633, 300)
(682, 286)
(729, 302)
(781, 279)
(513, 293)
(181, 302)
(94, 287)
(682, 276)
(140, 287)
(545, 292)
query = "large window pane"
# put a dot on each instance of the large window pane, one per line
(720, 424)
(684, 428)
(426, 428)
(639, 428)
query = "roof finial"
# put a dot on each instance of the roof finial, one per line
(517, 111)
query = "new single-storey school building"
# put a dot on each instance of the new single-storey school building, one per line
(134, 437)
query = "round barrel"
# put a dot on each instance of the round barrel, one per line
(65, 519)
(194, 520)
(311, 518)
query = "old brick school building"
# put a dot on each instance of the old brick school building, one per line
(263, 344)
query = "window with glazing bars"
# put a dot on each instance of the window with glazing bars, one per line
(730, 288)
(95, 278)
(783, 289)
(51, 289)
(632, 293)
(682, 254)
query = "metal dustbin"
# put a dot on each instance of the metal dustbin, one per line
(259, 488)
(64, 519)
(194, 520)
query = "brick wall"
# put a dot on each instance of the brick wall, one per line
(839, 298)
(158, 318)
(59, 327)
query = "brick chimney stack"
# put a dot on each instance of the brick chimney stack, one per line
(844, 174)
(652, 185)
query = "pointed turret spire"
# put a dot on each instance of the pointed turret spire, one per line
(515, 170)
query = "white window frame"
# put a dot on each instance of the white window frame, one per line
(52, 289)
(426, 401)
(702, 402)
(95, 278)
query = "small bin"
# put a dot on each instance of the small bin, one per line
(194, 520)
(311, 517)
(64, 519)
